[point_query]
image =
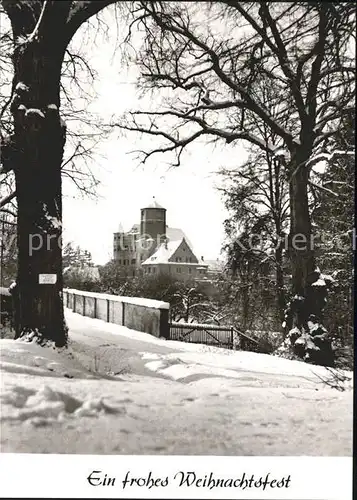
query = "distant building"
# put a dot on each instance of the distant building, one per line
(215, 267)
(152, 247)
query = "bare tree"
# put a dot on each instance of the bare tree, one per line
(208, 62)
(40, 37)
(256, 197)
(258, 212)
(85, 129)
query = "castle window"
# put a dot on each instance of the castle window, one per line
(119, 262)
(189, 270)
(154, 269)
(133, 261)
(178, 269)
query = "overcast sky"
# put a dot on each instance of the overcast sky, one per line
(188, 192)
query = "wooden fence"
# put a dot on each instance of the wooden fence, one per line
(220, 336)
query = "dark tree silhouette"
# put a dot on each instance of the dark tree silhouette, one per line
(41, 33)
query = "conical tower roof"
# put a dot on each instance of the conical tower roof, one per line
(120, 228)
(154, 204)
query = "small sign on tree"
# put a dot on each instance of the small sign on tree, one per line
(47, 279)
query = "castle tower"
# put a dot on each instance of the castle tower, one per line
(153, 222)
(152, 229)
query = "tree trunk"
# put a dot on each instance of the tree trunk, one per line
(38, 151)
(304, 314)
(279, 279)
(245, 302)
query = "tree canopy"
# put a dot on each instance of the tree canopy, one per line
(250, 71)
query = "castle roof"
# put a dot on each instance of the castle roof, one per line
(166, 250)
(163, 253)
(154, 204)
(175, 234)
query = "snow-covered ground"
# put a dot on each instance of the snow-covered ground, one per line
(177, 359)
(191, 399)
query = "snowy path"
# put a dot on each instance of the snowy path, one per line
(51, 404)
(108, 348)
(118, 349)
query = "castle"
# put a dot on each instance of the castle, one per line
(153, 248)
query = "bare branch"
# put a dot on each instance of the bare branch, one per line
(7, 199)
(322, 188)
(251, 103)
(82, 11)
(316, 65)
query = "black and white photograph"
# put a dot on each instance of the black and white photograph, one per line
(177, 230)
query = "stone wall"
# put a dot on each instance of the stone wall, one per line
(144, 315)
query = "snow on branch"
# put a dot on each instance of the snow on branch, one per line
(322, 188)
(322, 157)
(329, 157)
